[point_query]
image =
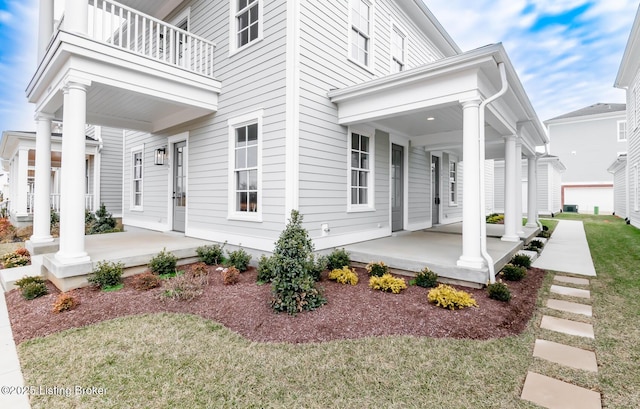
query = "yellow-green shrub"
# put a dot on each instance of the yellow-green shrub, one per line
(387, 282)
(448, 297)
(344, 275)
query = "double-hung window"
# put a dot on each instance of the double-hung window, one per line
(361, 32)
(245, 167)
(247, 21)
(360, 172)
(622, 131)
(136, 178)
(453, 182)
(398, 49)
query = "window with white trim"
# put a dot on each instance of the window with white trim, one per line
(246, 23)
(453, 183)
(398, 49)
(360, 171)
(361, 32)
(136, 178)
(245, 167)
(622, 131)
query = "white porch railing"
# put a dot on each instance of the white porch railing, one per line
(54, 202)
(123, 27)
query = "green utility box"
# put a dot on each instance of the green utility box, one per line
(569, 208)
(596, 210)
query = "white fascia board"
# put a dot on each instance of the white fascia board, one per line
(630, 63)
(618, 164)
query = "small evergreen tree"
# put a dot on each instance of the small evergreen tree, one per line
(102, 222)
(293, 286)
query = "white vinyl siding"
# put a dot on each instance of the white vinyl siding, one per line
(111, 170)
(419, 195)
(361, 157)
(398, 49)
(361, 30)
(245, 171)
(246, 23)
(137, 162)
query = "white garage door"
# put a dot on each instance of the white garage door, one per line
(588, 197)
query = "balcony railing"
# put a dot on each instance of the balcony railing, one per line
(54, 202)
(126, 28)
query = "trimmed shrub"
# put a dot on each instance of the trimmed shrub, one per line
(230, 275)
(239, 259)
(102, 222)
(293, 287)
(14, 259)
(344, 275)
(499, 291)
(377, 269)
(448, 297)
(106, 274)
(513, 273)
(184, 287)
(495, 218)
(146, 281)
(544, 234)
(317, 264)
(425, 278)
(29, 279)
(535, 245)
(199, 269)
(211, 254)
(387, 283)
(33, 290)
(22, 251)
(65, 302)
(265, 269)
(337, 259)
(521, 260)
(163, 263)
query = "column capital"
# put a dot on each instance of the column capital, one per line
(75, 82)
(510, 138)
(43, 116)
(470, 103)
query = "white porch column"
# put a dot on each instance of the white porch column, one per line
(73, 173)
(22, 184)
(519, 229)
(510, 175)
(532, 194)
(45, 26)
(472, 217)
(42, 194)
(76, 16)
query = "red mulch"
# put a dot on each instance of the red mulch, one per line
(351, 311)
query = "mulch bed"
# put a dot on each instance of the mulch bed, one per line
(351, 311)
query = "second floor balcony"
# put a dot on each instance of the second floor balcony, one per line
(139, 72)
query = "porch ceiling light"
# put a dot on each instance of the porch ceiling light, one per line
(160, 156)
(431, 118)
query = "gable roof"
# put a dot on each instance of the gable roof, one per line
(595, 109)
(630, 63)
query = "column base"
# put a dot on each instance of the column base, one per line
(73, 258)
(36, 247)
(531, 225)
(510, 238)
(474, 263)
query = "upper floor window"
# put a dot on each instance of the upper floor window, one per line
(398, 49)
(361, 32)
(453, 183)
(246, 24)
(622, 131)
(245, 167)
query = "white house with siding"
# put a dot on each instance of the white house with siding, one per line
(102, 175)
(549, 186)
(364, 115)
(620, 188)
(628, 78)
(587, 141)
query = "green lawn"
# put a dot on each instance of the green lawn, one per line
(172, 360)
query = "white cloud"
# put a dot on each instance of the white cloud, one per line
(5, 17)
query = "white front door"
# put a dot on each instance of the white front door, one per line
(179, 186)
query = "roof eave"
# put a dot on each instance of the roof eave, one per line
(631, 58)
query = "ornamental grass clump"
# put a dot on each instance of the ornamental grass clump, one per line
(185, 286)
(337, 259)
(448, 297)
(513, 273)
(377, 269)
(499, 291)
(425, 278)
(387, 283)
(293, 288)
(344, 275)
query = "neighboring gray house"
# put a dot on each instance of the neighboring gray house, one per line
(550, 173)
(586, 141)
(626, 172)
(620, 187)
(363, 115)
(103, 171)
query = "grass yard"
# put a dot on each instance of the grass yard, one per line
(173, 360)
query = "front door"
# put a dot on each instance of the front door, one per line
(435, 190)
(179, 186)
(397, 187)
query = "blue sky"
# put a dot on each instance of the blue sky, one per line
(566, 52)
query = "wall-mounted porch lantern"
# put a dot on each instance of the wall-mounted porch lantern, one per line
(161, 154)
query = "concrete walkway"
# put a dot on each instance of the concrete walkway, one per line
(10, 372)
(567, 251)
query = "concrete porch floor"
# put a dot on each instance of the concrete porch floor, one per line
(439, 249)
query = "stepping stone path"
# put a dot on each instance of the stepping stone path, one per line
(552, 393)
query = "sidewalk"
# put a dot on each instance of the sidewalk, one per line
(567, 251)
(10, 372)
